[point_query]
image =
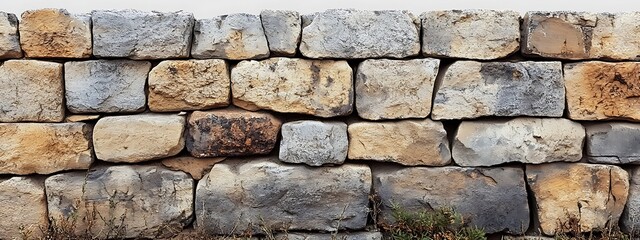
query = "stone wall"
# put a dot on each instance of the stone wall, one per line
(145, 124)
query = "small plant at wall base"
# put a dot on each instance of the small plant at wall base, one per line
(439, 224)
(571, 230)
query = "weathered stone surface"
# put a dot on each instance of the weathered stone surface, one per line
(196, 167)
(349, 33)
(613, 143)
(474, 89)
(231, 132)
(137, 138)
(603, 91)
(629, 220)
(141, 35)
(595, 194)
(44, 148)
(507, 237)
(236, 36)
(472, 34)
(314, 143)
(580, 35)
(318, 87)
(105, 86)
(494, 199)
(32, 91)
(25, 206)
(122, 201)
(325, 236)
(80, 118)
(55, 33)
(392, 89)
(9, 40)
(178, 85)
(526, 140)
(238, 196)
(282, 29)
(408, 142)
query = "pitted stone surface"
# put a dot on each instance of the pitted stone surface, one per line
(231, 132)
(526, 140)
(122, 201)
(472, 89)
(106, 86)
(180, 85)
(239, 196)
(31, 91)
(603, 91)
(393, 89)
(141, 35)
(44, 148)
(9, 40)
(613, 143)
(494, 199)
(55, 33)
(349, 33)
(235, 36)
(137, 138)
(595, 194)
(471, 34)
(26, 204)
(629, 219)
(407, 142)
(580, 35)
(314, 143)
(321, 88)
(283, 29)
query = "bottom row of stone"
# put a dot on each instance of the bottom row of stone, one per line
(240, 196)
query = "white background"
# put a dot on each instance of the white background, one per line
(206, 9)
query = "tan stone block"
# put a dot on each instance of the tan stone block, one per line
(179, 85)
(55, 33)
(44, 148)
(408, 142)
(25, 213)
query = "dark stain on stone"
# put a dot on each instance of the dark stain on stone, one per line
(618, 78)
(315, 74)
(173, 70)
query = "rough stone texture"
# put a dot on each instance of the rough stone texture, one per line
(407, 142)
(231, 132)
(629, 220)
(494, 199)
(474, 89)
(282, 29)
(122, 201)
(55, 33)
(472, 34)
(526, 140)
(235, 37)
(603, 91)
(177, 85)
(392, 89)
(349, 33)
(44, 148)
(595, 194)
(580, 35)
(325, 236)
(237, 197)
(507, 237)
(141, 35)
(9, 40)
(80, 118)
(613, 143)
(314, 143)
(318, 87)
(31, 91)
(26, 208)
(106, 86)
(196, 167)
(137, 138)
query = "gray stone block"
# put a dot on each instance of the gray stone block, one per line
(236, 37)
(283, 29)
(314, 143)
